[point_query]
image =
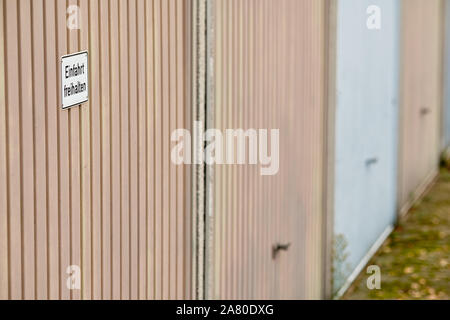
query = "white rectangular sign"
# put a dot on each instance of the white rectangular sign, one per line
(74, 79)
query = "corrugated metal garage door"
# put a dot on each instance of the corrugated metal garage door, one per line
(446, 115)
(270, 74)
(421, 95)
(366, 131)
(94, 186)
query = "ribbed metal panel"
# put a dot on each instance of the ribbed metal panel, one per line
(93, 186)
(366, 130)
(446, 115)
(421, 97)
(270, 74)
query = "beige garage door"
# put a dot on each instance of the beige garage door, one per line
(421, 94)
(93, 187)
(270, 74)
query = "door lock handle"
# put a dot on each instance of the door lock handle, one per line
(371, 161)
(424, 111)
(280, 247)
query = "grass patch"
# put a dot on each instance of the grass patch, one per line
(415, 260)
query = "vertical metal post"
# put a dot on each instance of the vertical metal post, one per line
(210, 124)
(198, 125)
(329, 146)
